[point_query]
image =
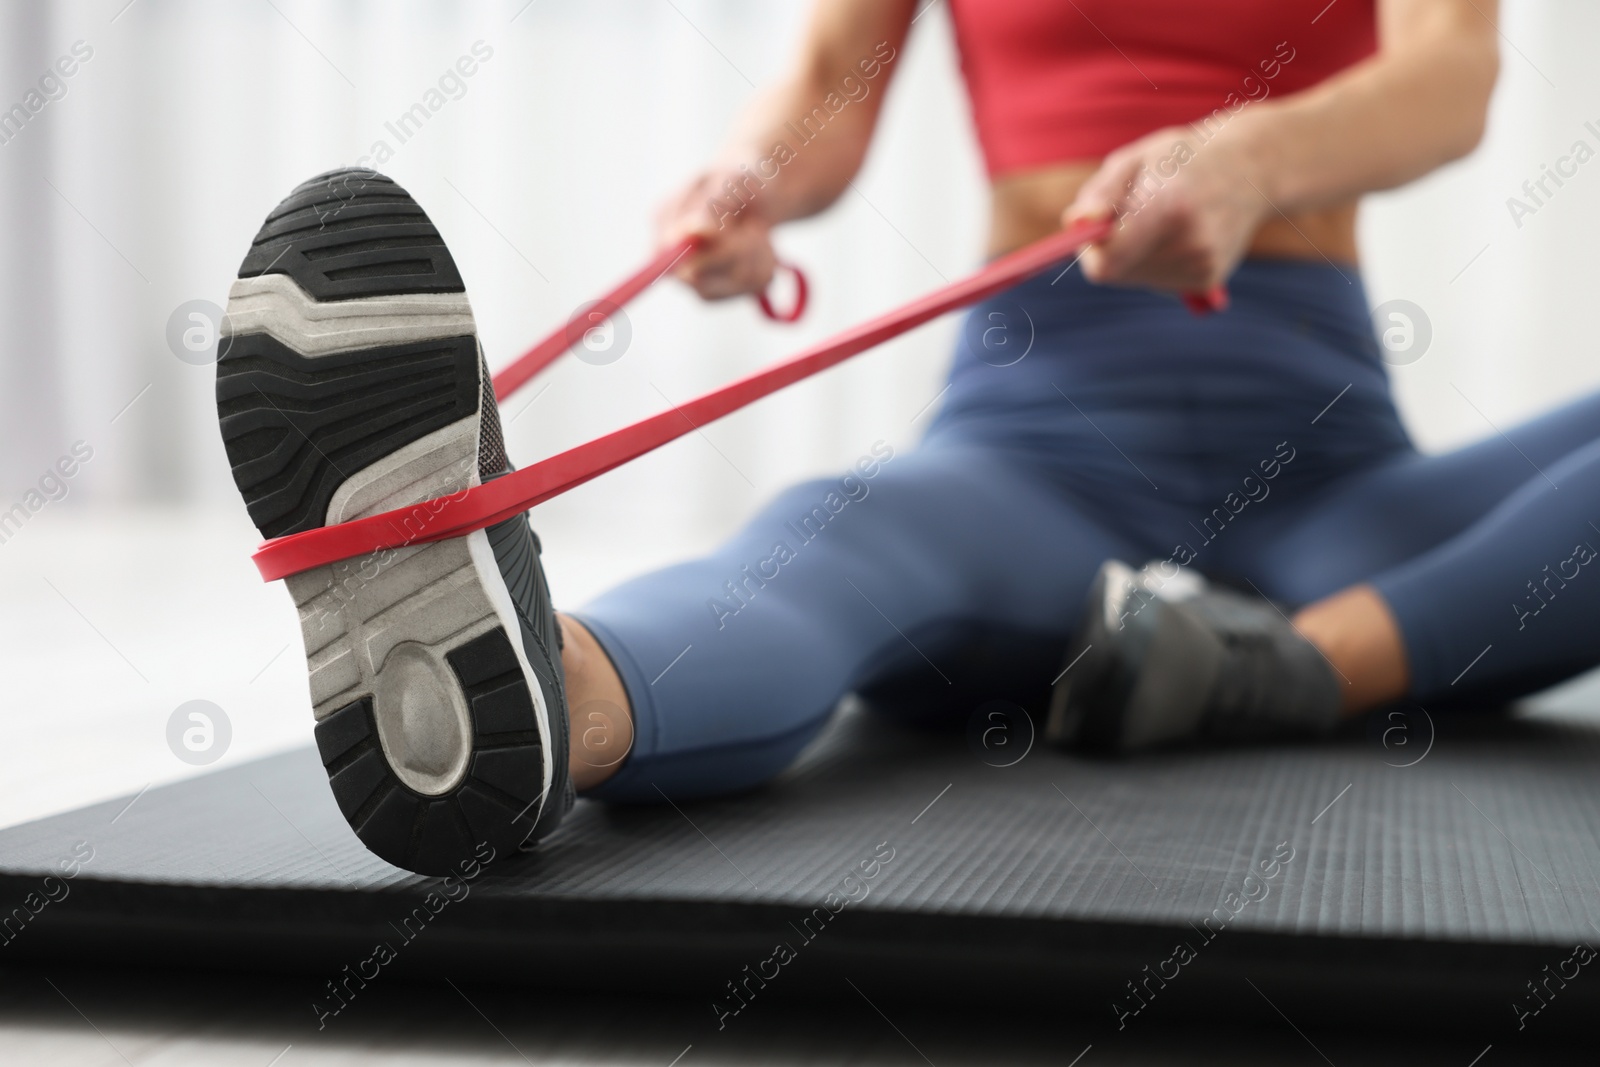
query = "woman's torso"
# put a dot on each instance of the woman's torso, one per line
(1027, 206)
(1056, 87)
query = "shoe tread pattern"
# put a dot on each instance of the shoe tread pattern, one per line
(495, 803)
(295, 427)
(352, 233)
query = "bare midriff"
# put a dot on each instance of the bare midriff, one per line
(1027, 205)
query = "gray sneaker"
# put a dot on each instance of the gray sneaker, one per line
(351, 383)
(1158, 662)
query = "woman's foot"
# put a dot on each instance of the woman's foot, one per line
(351, 383)
(1154, 665)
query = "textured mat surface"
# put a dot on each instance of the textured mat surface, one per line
(1447, 864)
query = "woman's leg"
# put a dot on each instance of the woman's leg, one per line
(1357, 633)
(731, 663)
(1460, 575)
(598, 710)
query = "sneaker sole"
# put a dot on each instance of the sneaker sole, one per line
(351, 383)
(1138, 671)
(1087, 686)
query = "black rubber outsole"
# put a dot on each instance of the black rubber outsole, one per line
(352, 233)
(295, 427)
(494, 804)
(1096, 693)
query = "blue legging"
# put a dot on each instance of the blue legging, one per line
(1259, 447)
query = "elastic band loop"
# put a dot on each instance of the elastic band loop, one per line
(800, 293)
(1213, 299)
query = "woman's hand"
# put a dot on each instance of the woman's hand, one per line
(1187, 210)
(737, 256)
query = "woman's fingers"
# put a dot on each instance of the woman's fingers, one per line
(686, 213)
(737, 265)
(1151, 244)
(732, 261)
(1104, 196)
(736, 255)
(1184, 214)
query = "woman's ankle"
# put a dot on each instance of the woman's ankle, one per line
(1357, 633)
(597, 707)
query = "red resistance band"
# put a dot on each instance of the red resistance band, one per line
(484, 505)
(526, 366)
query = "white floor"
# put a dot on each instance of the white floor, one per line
(109, 621)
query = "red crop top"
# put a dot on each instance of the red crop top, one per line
(1059, 80)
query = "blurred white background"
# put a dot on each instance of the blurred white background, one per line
(140, 188)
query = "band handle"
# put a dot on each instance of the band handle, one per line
(1199, 304)
(801, 292)
(1213, 299)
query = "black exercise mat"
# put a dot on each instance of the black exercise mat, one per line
(1398, 868)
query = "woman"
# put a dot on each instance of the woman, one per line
(1259, 447)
